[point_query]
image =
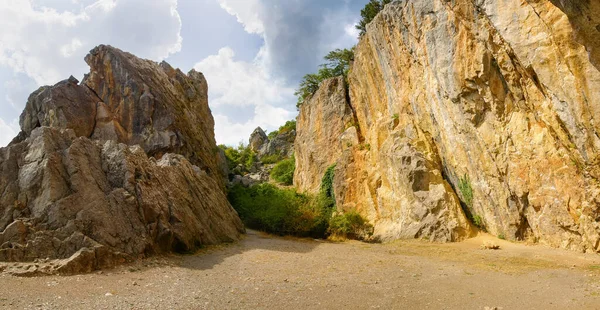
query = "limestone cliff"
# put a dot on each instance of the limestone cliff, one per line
(493, 102)
(321, 122)
(93, 179)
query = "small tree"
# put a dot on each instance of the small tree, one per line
(369, 12)
(338, 64)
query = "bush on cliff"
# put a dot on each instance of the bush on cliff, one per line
(283, 172)
(287, 127)
(338, 64)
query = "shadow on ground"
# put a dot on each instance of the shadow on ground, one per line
(253, 240)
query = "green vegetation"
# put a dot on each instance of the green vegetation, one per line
(280, 211)
(271, 159)
(369, 12)
(464, 185)
(240, 158)
(337, 64)
(288, 126)
(326, 190)
(350, 225)
(477, 221)
(283, 211)
(283, 172)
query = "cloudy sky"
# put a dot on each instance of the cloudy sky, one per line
(252, 52)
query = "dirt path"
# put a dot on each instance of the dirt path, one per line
(265, 272)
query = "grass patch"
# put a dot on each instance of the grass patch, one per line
(271, 159)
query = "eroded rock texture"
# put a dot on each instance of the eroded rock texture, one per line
(64, 197)
(281, 145)
(321, 122)
(93, 179)
(132, 101)
(495, 102)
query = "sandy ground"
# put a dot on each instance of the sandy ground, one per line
(266, 272)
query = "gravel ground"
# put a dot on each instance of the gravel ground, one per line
(266, 272)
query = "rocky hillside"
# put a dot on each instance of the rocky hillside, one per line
(467, 112)
(121, 166)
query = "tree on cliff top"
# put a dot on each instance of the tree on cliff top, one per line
(369, 12)
(337, 64)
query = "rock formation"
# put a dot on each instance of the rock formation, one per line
(119, 167)
(258, 138)
(493, 102)
(132, 101)
(281, 145)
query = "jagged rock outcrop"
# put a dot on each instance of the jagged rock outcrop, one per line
(281, 145)
(94, 204)
(93, 179)
(64, 105)
(132, 101)
(257, 139)
(496, 98)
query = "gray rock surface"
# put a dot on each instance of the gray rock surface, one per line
(257, 139)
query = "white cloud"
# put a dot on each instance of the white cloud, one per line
(238, 84)
(265, 116)
(8, 131)
(246, 13)
(46, 40)
(296, 34)
(48, 45)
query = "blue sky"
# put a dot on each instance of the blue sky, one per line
(252, 52)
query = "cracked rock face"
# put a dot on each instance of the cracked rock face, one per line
(87, 204)
(121, 166)
(496, 101)
(402, 190)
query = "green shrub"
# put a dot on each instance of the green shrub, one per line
(326, 190)
(464, 185)
(271, 159)
(369, 12)
(273, 134)
(288, 126)
(350, 225)
(477, 221)
(280, 211)
(283, 172)
(242, 155)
